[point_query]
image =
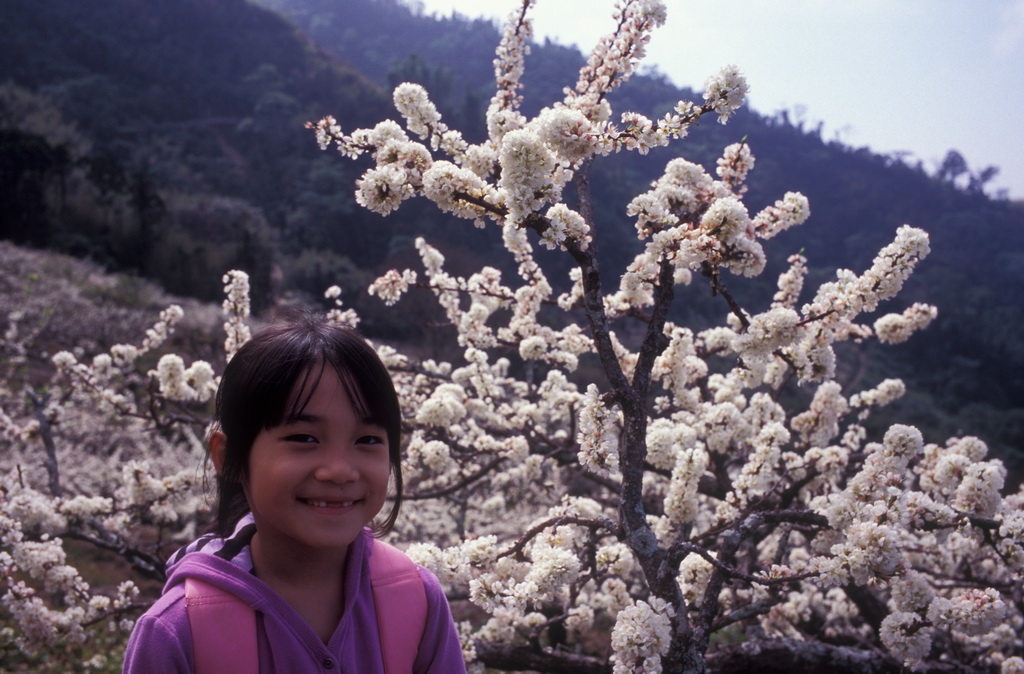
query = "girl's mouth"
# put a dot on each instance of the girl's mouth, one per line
(328, 504)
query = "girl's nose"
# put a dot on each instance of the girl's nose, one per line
(336, 466)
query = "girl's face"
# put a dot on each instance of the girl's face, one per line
(315, 481)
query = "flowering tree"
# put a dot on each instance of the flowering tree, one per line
(683, 501)
(678, 514)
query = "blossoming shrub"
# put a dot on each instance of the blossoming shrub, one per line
(675, 513)
(98, 472)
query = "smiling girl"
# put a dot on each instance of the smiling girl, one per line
(305, 446)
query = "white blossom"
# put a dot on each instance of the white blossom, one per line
(896, 328)
(642, 633)
(597, 436)
(906, 636)
(726, 91)
(236, 310)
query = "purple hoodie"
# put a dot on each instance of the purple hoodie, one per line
(162, 642)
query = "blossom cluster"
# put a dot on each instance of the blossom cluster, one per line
(642, 634)
(24, 563)
(337, 314)
(503, 113)
(615, 57)
(43, 592)
(236, 310)
(532, 159)
(597, 435)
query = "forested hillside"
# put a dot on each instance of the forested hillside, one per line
(189, 156)
(166, 139)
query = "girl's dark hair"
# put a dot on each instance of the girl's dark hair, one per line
(262, 386)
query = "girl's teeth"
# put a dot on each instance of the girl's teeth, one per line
(324, 504)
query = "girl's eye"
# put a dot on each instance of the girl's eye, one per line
(301, 438)
(370, 440)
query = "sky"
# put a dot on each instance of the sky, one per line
(913, 76)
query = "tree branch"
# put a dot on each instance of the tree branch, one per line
(515, 657)
(655, 340)
(712, 273)
(785, 656)
(148, 565)
(590, 523)
(451, 489)
(46, 433)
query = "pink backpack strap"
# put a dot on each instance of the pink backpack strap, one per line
(218, 618)
(223, 630)
(401, 603)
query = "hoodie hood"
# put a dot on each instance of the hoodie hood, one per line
(227, 563)
(234, 548)
(223, 562)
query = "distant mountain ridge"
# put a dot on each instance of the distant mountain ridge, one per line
(192, 113)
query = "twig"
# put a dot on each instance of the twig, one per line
(589, 522)
(451, 489)
(46, 433)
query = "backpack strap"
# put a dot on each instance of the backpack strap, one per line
(218, 619)
(401, 603)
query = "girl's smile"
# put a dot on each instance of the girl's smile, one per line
(328, 504)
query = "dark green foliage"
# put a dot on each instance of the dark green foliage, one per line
(29, 168)
(185, 97)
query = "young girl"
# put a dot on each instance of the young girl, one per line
(306, 442)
